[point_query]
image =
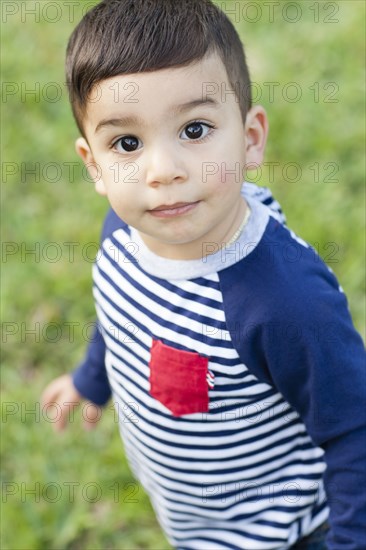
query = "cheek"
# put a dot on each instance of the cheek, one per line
(231, 172)
(226, 183)
(227, 171)
(122, 179)
(124, 201)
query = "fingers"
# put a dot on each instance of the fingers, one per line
(63, 414)
(59, 388)
(62, 395)
(91, 416)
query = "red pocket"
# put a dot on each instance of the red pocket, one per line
(178, 379)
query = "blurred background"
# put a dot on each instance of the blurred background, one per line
(74, 490)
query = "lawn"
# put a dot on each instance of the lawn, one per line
(74, 490)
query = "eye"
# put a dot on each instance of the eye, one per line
(197, 130)
(126, 144)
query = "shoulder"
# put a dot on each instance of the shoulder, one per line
(280, 276)
(281, 293)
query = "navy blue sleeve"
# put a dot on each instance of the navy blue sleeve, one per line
(90, 378)
(291, 325)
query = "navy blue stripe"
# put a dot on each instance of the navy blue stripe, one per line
(203, 435)
(170, 286)
(162, 322)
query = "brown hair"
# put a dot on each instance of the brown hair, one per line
(130, 36)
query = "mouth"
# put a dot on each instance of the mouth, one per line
(170, 210)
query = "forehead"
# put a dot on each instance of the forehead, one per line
(161, 91)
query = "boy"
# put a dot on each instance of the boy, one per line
(236, 361)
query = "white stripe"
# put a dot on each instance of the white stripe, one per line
(152, 325)
(166, 294)
(236, 481)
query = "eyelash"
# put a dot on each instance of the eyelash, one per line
(210, 126)
(199, 140)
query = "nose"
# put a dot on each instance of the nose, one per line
(164, 165)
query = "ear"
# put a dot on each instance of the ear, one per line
(256, 132)
(83, 150)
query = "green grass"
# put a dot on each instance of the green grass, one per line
(45, 296)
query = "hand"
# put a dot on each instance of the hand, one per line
(63, 392)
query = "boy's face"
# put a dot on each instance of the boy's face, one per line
(170, 148)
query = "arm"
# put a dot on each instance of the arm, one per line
(302, 342)
(322, 375)
(90, 378)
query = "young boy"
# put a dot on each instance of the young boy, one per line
(225, 340)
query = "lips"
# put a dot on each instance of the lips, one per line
(170, 206)
(170, 210)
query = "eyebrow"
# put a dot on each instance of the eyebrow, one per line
(207, 101)
(137, 121)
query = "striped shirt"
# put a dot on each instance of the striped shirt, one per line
(228, 460)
